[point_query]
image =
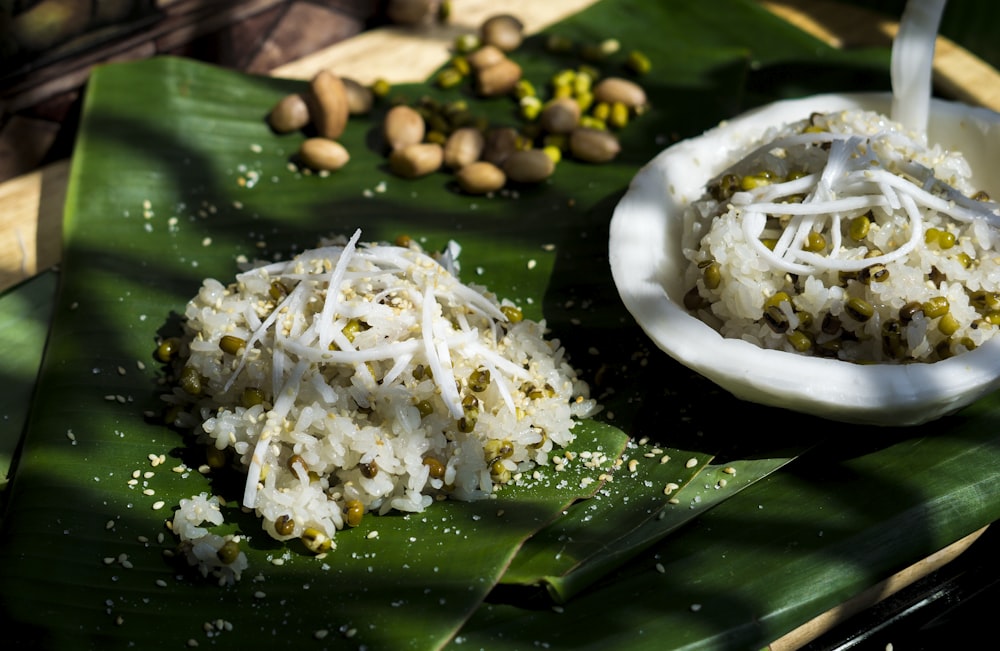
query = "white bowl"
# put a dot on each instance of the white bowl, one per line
(648, 269)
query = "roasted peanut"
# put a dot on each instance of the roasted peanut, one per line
(498, 79)
(464, 146)
(504, 31)
(403, 126)
(485, 56)
(323, 154)
(499, 143)
(561, 115)
(360, 98)
(593, 145)
(416, 160)
(528, 166)
(291, 113)
(328, 104)
(618, 89)
(480, 178)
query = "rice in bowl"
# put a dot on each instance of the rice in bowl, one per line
(842, 235)
(359, 378)
(651, 266)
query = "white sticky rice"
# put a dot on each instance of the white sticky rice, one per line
(361, 378)
(775, 283)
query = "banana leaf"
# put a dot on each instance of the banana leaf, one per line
(175, 177)
(25, 312)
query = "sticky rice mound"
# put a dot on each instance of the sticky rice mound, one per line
(364, 378)
(843, 235)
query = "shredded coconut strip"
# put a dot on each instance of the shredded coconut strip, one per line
(840, 190)
(442, 374)
(333, 289)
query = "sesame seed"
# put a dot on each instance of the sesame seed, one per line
(633, 464)
(159, 504)
(691, 463)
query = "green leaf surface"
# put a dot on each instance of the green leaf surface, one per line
(25, 312)
(599, 535)
(176, 178)
(836, 521)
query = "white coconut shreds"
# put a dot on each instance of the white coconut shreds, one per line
(843, 235)
(397, 386)
(212, 554)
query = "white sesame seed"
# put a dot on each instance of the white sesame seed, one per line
(691, 463)
(159, 504)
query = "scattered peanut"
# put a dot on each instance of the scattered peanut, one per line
(403, 126)
(328, 104)
(323, 154)
(593, 145)
(291, 113)
(480, 178)
(416, 160)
